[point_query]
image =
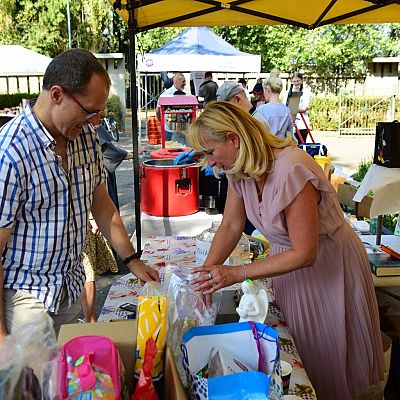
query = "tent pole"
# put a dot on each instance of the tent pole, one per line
(135, 133)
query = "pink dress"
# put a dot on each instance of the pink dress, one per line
(330, 308)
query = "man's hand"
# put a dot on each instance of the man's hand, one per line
(143, 272)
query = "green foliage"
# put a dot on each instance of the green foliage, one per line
(362, 169)
(155, 38)
(389, 220)
(41, 25)
(329, 50)
(324, 113)
(14, 100)
(359, 111)
(114, 109)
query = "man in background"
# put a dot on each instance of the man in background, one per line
(178, 84)
(243, 82)
(234, 92)
(208, 89)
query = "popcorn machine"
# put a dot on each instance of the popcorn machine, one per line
(177, 112)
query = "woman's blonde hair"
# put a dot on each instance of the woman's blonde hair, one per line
(256, 141)
(274, 82)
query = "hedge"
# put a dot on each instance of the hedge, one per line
(14, 100)
(359, 111)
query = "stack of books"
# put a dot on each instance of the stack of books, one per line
(383, 264)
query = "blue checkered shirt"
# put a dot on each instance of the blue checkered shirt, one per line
(47, 209)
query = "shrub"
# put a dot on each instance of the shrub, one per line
(15, 99)
(114, 109)
(357, 111)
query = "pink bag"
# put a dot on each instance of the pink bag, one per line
(91, 365)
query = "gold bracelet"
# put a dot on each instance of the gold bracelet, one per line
(245, 271)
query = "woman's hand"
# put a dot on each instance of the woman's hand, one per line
(214, 277)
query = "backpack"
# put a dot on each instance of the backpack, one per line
(89, 364)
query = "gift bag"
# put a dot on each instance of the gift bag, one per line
(90, 366)
(314, 149)
(387, 144)
(254, 345)
(152, 321)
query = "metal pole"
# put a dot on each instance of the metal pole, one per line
(135, 133)
(69, 26)
(379, 225)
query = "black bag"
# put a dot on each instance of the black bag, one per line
(314, 149)
(387, 144)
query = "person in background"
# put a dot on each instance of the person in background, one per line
(243, 82)
(304, 105)
(276, 113)
(97, 255)
(234, 92)
(51, 177)
(318, 266)
(258, 93)
(208, 89)
(97, 258)
(113, 156)
(179, 82)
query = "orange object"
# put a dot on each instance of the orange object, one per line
(170, 152)
(390, 251)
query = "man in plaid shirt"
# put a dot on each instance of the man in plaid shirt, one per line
(51, 177)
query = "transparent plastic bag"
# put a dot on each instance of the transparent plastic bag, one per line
(186, 309)
(27, 359)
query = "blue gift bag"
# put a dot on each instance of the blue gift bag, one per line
(253, 344)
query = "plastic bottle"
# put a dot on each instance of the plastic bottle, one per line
(372, 225)
(240, 255)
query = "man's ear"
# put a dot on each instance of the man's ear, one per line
(234, 138)
(56, 93)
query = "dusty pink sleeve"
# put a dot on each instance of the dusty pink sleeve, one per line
(291, 182)
(234, 185)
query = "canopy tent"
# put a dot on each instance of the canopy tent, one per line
(142, 15)
(309, 14)
(17, 60)
(198, 46)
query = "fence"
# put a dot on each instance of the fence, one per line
(359, 115)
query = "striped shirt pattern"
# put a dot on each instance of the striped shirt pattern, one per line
(47, 209)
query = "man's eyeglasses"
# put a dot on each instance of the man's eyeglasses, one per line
(89, 113)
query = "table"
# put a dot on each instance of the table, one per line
(160, 251)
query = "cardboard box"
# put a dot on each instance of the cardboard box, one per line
(345, 196)
(123, 334)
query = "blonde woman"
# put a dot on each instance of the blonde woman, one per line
(276, 113)
(318, 265)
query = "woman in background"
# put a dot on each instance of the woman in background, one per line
(302, 120)
(274, 111)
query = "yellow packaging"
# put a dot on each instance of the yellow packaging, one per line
(152, 321)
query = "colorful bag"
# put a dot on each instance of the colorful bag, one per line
(314, 149)
(90, 367)
(151, 321)
(253, 344)
(387, 144)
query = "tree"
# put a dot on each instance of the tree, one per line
(41, 25)
(332, 49)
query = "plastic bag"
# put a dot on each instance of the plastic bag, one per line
(186, 309)
(27, 360)
(145, 389)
